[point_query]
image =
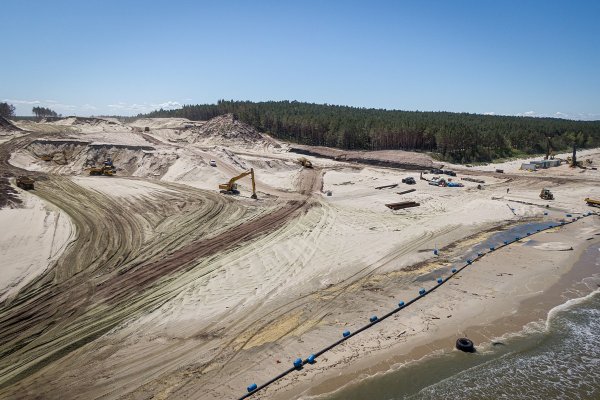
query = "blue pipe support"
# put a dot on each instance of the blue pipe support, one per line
(251, 388)
(373, 318)
(453, 270)
(440, 280)
(401, 304)
(311, 359)
(346, 333)
(421, 292)
(297, 363)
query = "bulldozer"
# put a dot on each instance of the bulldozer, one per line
(592, 202)
(231, 186)
(107, 169)
(25, 182)
(546, 194)
(305, 162)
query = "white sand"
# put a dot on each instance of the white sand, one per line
(31, 239)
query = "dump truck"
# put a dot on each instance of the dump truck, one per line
(231, 186)
(546, 194)
(25, 182)
(305, 162)
(107, 169)
(592, 202)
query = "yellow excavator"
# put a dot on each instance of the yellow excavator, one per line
(592, 202)
(305, 162)
(231, 187)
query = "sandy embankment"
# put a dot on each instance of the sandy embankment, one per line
(495, 296)
(31, 239)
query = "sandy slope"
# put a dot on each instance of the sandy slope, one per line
(31, 239)
(173, 290)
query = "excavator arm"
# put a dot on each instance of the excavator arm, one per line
(230, 187)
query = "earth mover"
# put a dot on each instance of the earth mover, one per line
(25, 182)
(231, 186)
(305, 162)
(107, 169)
(592, 202)
(546, 194)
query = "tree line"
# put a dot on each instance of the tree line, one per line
(43, 112)
(7, 110)
(458, 137)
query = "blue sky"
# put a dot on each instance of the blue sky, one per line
(126, 57)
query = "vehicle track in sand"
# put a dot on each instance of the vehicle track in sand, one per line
(114, 268)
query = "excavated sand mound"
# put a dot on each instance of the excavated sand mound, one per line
(7, 126)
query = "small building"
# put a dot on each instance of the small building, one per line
(528, 167)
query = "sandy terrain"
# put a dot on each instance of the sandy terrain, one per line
(31, 239)
(169, 289)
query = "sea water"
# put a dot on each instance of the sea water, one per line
(558, 358)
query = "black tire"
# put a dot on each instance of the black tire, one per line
(466, 345)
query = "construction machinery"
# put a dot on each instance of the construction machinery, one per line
(25, 182)
(231, 186)
(546, 194)
(592, 202)
(305, 162)
(107, 169)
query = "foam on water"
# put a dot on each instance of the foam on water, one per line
(562, 363)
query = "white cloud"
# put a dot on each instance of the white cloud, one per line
(145, 107)
(169, 105)
(22, 101)
(489, 113)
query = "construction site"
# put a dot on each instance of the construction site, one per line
(166, 258)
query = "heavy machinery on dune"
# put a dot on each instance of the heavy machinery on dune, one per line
(107, 169)
(305, 162)
(231, 186)
(25, 182)
(546, 194)
(592, 202)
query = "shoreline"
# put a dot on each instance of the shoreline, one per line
(507, 318)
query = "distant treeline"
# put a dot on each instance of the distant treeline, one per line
(458, 137)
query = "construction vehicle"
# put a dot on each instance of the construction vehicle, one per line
(107, 169)
(305, 162)
(231, 186)
(592, 202)
(25, 182)
(546, 194)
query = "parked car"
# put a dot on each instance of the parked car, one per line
(213, 163)
(409, 180)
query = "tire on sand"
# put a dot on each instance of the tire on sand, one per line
(466, 345)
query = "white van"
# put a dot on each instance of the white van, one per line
(213, 163)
